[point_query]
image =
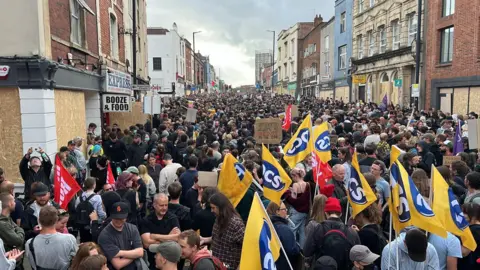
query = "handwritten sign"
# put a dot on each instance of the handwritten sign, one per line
(447, 160)
(207, 179)
(191, 115)
(268, 131)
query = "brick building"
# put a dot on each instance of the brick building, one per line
(189, 60)
(452, 56)
(199, 72)
(309, 57)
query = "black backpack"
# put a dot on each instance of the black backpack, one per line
(336, 245)
(83, 211)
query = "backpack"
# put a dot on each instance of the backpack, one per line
(83, 211)
(382, 239)
(336, 245)
(216, 262)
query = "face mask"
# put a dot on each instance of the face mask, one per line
(147, 139)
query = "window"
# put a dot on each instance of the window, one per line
(314, 47)
(446, 46)
(382, 38)
(361, 5)
(113, 37)
(371, 43)
(395, 35)
(293, 47)
(372, 3)
(448, 7)
(292, 70)
(342, 22)
(360, 46)
(76, 22)
(327, 67)
(326, 44)
(286, 48)
(157, 63)
(342, 57)
(412, 28)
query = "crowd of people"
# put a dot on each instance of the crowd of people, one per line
(156, 215)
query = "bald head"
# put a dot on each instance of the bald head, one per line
(7, 187)
(338, 172)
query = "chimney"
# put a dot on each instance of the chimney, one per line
(318, 20)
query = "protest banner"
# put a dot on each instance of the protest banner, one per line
(268, 131)
(447, 160)
(191, 115)
(473, 126)
(207, 179)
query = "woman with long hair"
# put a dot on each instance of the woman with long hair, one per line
(228, 231)
(279, 218)
(84, 250)
(421, 181)
(458, 190)
(298, 197)
(470, 258)
(371, 234)
(61, 225)
(124, 188)
(151, 188)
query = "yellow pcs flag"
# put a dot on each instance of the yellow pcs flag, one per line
(321, 142)
(395, 152)
(275, 180)
(447, 208)
(234, 179)
(411, 208)
(360, 194)
(300, 144)
(261, 245)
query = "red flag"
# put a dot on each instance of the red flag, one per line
(288, 118)
(110, 178)
(321, 171)
(65, 186)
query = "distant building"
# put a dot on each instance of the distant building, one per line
(261, 59)
(327, 58)
(343, 48)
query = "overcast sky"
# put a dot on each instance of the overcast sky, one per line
(233, 29)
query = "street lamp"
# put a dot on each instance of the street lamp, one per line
(195, 66)
(273, 55)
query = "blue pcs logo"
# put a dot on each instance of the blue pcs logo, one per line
(355, 189)
(266, 256)
(300, 143)
(322, 143)
(271, 177)
(456, 212)
(419, 202)
(240, 170)
(403, 207)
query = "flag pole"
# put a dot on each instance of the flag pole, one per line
(276, 235)
(390, 238)
(346, 212)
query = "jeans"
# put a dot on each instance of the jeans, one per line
(299, 219)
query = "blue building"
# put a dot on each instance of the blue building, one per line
(343, 48)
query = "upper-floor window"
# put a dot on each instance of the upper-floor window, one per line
(293, 46)
(342, 57)
(286, 49)
(360, 46)
(157, 63)
(448, 7)
(361, 5)
(395, 35)
(382, 39)
(371, 43)
(343, 21)
(412, 28)
(113, 37)
(76, 14)
(446, 46)
(372, 3)
(326, 44)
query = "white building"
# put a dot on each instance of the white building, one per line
(166, 59)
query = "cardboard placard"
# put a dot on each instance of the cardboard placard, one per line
(207, 179)
(191, 115)
(268, 131)
(447, 160)
(294, 110)
(260, 97)
(333, 139)
(473, 133)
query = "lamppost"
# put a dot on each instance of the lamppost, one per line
(194, 52)
(273, 55)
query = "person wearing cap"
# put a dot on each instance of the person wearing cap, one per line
(29, 223)
(136, 151)
(168, 174)
(363, 258)
(414, 252)
(38, 171)
(141, 188)
(315, 236)
(167, 254)
(120, 241)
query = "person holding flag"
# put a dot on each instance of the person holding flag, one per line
(275, 180)
(300, 145)
(234, 179)
(261, 239)
(458, 142)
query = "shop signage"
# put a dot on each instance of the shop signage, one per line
(359, 79)
(415, 90)
(118, 82)
(141, 87)
(116, 103)
(398, 83)
(4, 71)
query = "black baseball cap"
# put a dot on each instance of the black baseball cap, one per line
(417, 243)
(40, 189)
(119, 210)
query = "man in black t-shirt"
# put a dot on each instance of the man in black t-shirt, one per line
(159, 226)
(120, 241)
